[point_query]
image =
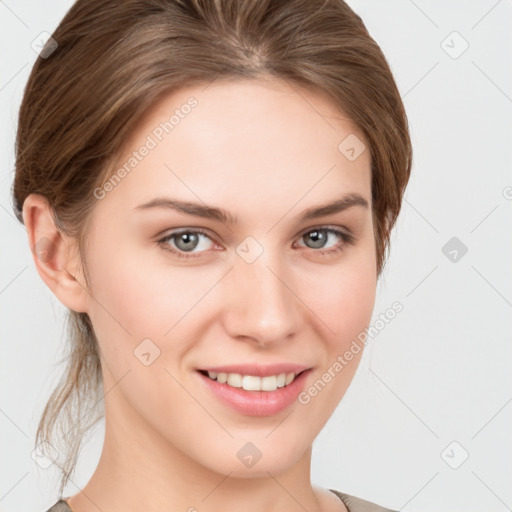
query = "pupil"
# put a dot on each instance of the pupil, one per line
(187, 238)
(318, 237)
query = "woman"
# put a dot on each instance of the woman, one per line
(269, 137)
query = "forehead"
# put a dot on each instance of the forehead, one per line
(242, 142)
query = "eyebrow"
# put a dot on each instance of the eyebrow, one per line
(221, 215)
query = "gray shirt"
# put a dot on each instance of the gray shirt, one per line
(352, 503)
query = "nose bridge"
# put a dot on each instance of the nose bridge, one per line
(264, 306)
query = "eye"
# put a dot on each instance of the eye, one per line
(185, 242)
(317, 239)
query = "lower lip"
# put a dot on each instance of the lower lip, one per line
(257, 403)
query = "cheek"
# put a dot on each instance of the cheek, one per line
(345, 304)
(346, 298)
(138, 297)
(144, 317)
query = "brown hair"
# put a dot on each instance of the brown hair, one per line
(116, 58)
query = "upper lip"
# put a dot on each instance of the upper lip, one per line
(258, 370)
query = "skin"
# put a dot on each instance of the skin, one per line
(265, 151)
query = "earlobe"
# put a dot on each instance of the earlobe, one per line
(54, 254)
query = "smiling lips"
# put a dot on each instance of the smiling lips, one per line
(256, 390)
(253, 377)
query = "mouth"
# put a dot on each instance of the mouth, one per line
(253, 382)
(254, 390)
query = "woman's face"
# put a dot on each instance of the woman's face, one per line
(255, 285)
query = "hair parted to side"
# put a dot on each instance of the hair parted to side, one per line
(116, 58)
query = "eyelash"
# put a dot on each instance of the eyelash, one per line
(347, 239)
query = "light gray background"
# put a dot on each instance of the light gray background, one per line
(439, 372)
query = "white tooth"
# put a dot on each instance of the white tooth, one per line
(235, 380)
(269, 383)
(289, 378)
(251, 383)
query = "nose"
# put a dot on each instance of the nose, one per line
(264, 306)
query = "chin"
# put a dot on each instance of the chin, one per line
(243, 458)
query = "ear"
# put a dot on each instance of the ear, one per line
(56, 255)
